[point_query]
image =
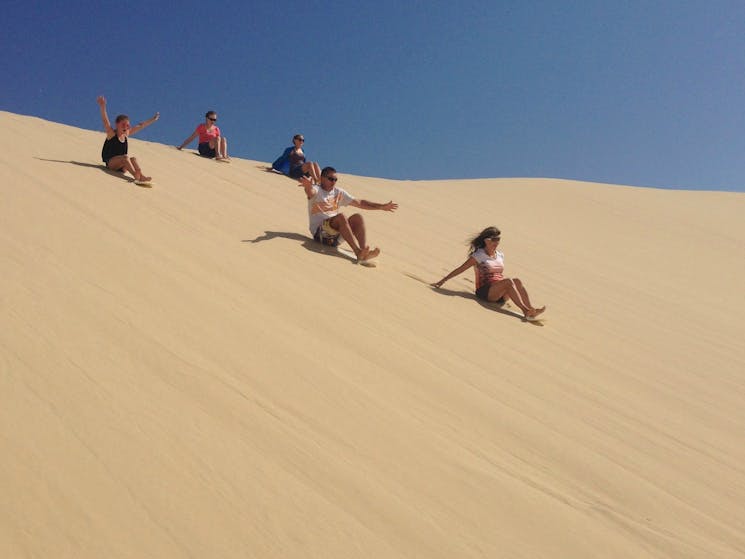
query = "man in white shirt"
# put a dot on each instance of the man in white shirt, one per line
(327, 224)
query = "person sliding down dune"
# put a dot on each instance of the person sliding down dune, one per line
(115, 148)
(329, 226)
(212, 144)
(292, 162)
(491, 285)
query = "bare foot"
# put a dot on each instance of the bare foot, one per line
(143, 178)
(533, 313)
(372, 253)
(362, 254)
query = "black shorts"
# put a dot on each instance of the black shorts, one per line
(206, 151)
(296, 172)
(483, 294)
(121, 169)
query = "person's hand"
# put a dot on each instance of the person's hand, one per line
(101, 100)
(437, 284)
(305, 182)
(390, 206)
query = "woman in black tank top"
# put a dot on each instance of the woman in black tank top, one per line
(114, 152)
(112, 147)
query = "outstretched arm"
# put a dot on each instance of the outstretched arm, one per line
(188, 140)
(389, 206)
(101, 100)
(459, 270)
(145, 123)
(308, 186)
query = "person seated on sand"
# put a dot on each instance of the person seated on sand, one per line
(211, 143)
(488, 265)
(327, 224)
(293, 164)
(114, 152)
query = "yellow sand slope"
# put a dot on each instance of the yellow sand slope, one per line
(182, 374)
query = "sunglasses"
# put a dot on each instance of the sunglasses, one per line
(495, 239)
(332, 179)
(212, 119)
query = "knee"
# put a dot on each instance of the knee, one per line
(339, 220)
(356, 219)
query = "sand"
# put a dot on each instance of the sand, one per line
(183, 374)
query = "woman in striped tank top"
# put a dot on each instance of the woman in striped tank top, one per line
(488, 265)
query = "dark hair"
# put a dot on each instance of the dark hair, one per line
(298, 137)
(326, 171)
(479, 241)
(120, 118)
(208, 113)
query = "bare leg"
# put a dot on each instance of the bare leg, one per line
(521, 290)
(341, 224)
(224, 147)
(526, 299)
(215, 145)
(507, 288)
(119, 162)
(352, 230)
(357, 224)
(316, 172)
(139, 176)
(312, 169)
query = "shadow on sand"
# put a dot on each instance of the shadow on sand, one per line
(270, 169)
(306, 242)
(273, 171)
(99, 166)
(496, 307)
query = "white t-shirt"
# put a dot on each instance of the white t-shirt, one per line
(323, 205)
(488, 269)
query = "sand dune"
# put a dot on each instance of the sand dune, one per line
(183, 374)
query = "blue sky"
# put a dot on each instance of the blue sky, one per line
(630, 92)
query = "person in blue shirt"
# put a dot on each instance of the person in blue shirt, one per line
(293, 163)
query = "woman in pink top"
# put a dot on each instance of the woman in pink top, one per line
(491, 285)
(211, 143)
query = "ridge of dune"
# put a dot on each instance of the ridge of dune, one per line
(184, 375)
